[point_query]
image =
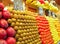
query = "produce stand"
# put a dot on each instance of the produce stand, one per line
(29, 22)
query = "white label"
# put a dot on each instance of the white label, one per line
(41, 11)
(49, 13)
(18, 5)
(53, 14)
(58, 42)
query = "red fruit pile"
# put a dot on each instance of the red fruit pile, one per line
(3, 23)
(7, 33)
(3, 42)
(1, 6)
(3, 33)
(44, 30)
(11, 40)
(10, 32)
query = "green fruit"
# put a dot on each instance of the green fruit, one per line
(19, 16)
(22, 42)
(13, 24)
(20, 39)
(25, 26)
(18, 31)
(17, 36)
(11, 15)
(17, 23)
(9, 21)
(16, 27)
(18, 20)
(13, 19)
(20, 27)
(24, 34)
(24, 38)
(18, 43)
(26, 41)
(15, 16)
(29, 40)
(20, 24)
(25, 31)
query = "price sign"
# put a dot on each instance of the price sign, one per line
(19, 5)
(53, 14)
(58, 42)
(41, 11)
(49, 13)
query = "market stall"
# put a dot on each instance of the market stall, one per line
(29, 22)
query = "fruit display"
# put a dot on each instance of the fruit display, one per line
(3, 42)
(53, 29)
(41, 3)
(44, 30)
(3, 23)
(6, 14)
(10, 32)
(11, 40)
(1, 6)
(3, 33)
(34, 3)
(7, 33)
(57, 25)
(53, 8)
(25, 26)
(50, 7)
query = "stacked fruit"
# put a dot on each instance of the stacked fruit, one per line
(33, 3)
(50, 6)
(26, 28)
(44, 30)
(53, 30)
(41, 3)
(57, 25)
(7, 33)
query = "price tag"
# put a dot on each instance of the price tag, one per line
(19, 5)
(53, 14)
(58, 42)
(49, 13)
(41, 11)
